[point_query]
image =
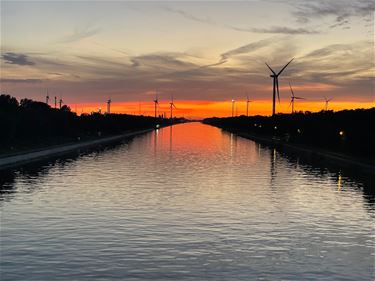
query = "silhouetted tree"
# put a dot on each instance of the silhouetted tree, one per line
(31, 123)
(346, 131)
(8, 103)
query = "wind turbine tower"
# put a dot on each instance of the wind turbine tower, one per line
(327, 101)
(60, 103)
(109, 106)
(247, 105)
(171, 104)
(233, 103)
(293, 97)
(47, 97)
(55, 101)
(156, 103)
(275, 77)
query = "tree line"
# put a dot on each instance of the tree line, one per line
(28, 123)
(347, 131)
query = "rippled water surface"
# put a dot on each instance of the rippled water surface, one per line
(187, 202)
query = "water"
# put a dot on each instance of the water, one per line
(185, 203)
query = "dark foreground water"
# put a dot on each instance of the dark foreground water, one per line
(185, 203)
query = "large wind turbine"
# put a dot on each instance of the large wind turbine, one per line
(171, 104)
(293, 97)
(327, 101)
(275, 77)
(156, 102)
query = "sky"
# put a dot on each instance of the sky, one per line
(203, 53)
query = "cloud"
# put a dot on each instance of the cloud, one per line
(162, 60)
(128, 78)
(112, 49)
(56, 73)
(18, 59)
(277, 29)
(30, 81)
(273, 29)
(247, 48)
(340, 64)
(338, 24)
(190, 16)
(80, 33)
(340, 9)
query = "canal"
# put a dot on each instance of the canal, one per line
(188, 202)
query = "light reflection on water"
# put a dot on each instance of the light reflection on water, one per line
(187, 202)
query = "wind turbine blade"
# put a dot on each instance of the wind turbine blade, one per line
(270, 69)
(277, 89)
(291, 89)
(285, 67)
(174, 105)
(299, 98)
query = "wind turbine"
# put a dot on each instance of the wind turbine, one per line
(293, 97)
(55, 101)
(275, 77)
(47, 97)
(109, 106)
(60, 102)
(171, 104)
(327, 101)
(156, 102)
(233, 102)
(247, 105)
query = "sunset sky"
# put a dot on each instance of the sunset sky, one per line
(204, 53)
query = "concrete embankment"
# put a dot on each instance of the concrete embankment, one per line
(34, 156)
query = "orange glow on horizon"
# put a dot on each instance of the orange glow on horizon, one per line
(203, 109)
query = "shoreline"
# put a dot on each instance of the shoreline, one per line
(341, 160)
(13, 161)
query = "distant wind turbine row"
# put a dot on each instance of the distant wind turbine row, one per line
(61, 102)
(275, 91)
(156, 106)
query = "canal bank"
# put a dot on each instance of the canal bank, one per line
(313, 153)
(60, 150)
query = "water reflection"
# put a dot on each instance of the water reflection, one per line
(273, 168)
(170, 137)
(187, 202)
(34, 174)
